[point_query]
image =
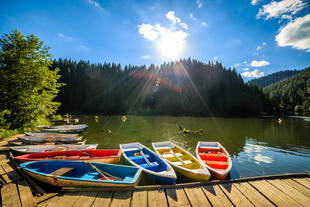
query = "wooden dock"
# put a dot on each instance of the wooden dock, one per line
(277, 190)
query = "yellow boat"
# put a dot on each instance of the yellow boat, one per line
(182, 161)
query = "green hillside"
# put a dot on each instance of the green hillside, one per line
(292, 93)
(273, 78)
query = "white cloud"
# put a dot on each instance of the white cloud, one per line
(296, 34)
(261, 63)
(254, 2)
(215, 58)
(264, 43)
(203, 24)
(95, 4)
(148, 31)
(236, 65)
(184, 26)
(199, 3)
(145, 57)
(246, 69)
(283, 9)
(82, 47)
(258, 48)
(170, 15)
(61, 35)
(176, 20)
(252, 74)
(169, 41)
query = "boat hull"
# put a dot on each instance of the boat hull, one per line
(79, 174)
(220, 161)
(101, 156)
(165, 175)
(187, 166)
(29, 149)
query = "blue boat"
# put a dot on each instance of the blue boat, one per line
(153, 166)
(82, 174)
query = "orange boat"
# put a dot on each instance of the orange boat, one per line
(102, 156)
(215, 157)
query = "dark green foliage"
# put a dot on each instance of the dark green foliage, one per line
(186, 87)
(27, 86)
(273, 78)
(292, 94)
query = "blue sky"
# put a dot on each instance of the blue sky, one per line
(258, 37)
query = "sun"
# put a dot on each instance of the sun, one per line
(171, 45)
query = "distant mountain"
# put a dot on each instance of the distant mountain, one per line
(273, 78)
(292, 93)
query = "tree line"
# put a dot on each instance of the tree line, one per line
(186, 88)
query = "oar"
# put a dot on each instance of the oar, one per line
(143, 155)
(101, 172)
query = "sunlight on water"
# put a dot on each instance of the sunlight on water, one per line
(258, 146)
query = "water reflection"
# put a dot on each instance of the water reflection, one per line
(258, 146)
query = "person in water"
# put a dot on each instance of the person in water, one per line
(187, 131)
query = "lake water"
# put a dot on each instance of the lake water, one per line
(258, 146)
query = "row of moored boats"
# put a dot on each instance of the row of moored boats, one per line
(70, 165)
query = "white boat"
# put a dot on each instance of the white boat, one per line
(215, 157)
(41, 134)
(27, 149)
(182, 161)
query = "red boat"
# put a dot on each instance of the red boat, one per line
(103, 156)
(214, 156)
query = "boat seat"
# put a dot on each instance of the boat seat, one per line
(61, 171)
(152, 166)
(171, 155)
(186, 162)
(217, 164)
(213, 157)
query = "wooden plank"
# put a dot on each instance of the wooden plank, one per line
(303, 181)
(85, 199)
(291, 192)
(68, 199)
(4, 176)
(216, 196)
(61, 171)
(196, 197)
(252, 194)
(9, 195)
(298, 186)
(103, 199)
(50, 202)
(25, 194)
(121, 199)
(45, 197)
(139, 198)
(236, 197)
(157, 198)
(10, 172)
(273, 194)
(177, 197)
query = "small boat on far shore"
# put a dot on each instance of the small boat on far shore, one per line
(18, 142)
(42, 134)
(50, 148)
(102, 156)
(49, 139)
(65, 120)
(215, 157)
(66, 128)
(82, 174)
